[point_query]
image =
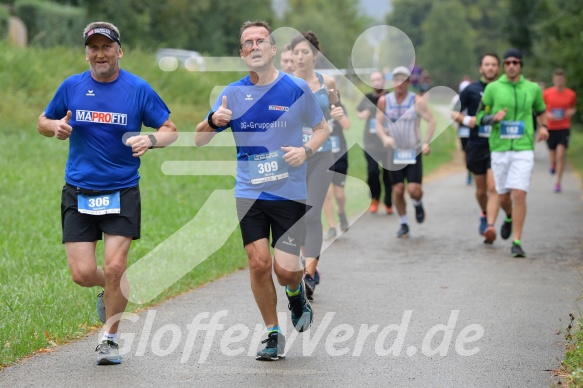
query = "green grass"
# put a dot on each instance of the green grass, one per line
(573, 363)
(40, 306)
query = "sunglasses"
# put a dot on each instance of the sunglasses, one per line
(515, 63)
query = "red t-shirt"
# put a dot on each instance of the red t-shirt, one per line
(557, 103)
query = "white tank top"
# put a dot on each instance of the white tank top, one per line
(403, 123)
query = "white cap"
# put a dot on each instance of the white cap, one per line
(463, 85)
(401, 70)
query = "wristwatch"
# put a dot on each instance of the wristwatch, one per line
(210, 121)
(152, 140)
(308, 150)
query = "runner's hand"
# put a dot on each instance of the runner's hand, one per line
(543, 134)
(425, 149)
(388, 142)
(294, 156)
(140, 144)
(499, 116)
(63, 129)
(336, 112)
(223, 115)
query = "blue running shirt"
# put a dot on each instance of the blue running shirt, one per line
(102, 114)
(265, 118)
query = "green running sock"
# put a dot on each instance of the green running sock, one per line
(517, 242)
(292, 293)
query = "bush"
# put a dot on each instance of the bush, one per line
(4, 22)
(50, 24)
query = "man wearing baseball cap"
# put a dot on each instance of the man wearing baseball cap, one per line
(507, 105)
(101, 112)
(397, 125)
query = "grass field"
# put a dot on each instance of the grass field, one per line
(40, 306)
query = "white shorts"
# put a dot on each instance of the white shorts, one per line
(512, 170)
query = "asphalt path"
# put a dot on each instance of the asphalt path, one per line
(439, 309)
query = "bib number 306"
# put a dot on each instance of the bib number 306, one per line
(99, 204)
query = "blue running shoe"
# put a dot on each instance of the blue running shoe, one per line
(301, 310)
(108, 353)
(101, 307)
(274, 348)
(317, 276)
(483, 224)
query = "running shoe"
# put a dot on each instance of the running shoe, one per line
(101, 307)
(317, 276)
(506, 228)
(390, 210)
(310, 286)
(483, 224)
(517, 251)
(403, 231)
(274, 347)
(553, 169)
(419, 213)
(489, 235)
(343, 222)
(301, 310)
(558, 188)
(374, 206)
(330, 234)
(108, 353)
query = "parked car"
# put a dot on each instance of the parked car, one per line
(170, 59)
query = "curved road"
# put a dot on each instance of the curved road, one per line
(439, 309)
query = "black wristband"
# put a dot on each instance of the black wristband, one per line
(210, 121)
(153, 140)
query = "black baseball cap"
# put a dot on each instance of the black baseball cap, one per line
(107, 32)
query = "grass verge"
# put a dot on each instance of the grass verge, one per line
(571, 371)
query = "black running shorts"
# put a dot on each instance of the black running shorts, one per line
(413, 173)
(478, 159)
(80, 227)
(558, 136)
(282, 217)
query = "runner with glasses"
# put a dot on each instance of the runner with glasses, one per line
(507, 105)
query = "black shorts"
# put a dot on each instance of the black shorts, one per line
(283, 217)
(413, 173)
(464, 141)
(478, 159)
(80, 227)
(340, 168)
(558, 136)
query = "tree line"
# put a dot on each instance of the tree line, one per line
(449, 36)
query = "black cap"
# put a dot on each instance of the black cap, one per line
(512, 52)
(107, 32)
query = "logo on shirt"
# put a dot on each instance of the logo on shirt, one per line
(90, 93)
(279, 107)
(248, 97)
(102, 117)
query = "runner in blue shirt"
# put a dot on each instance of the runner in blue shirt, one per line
(266, 112)
(100, 111)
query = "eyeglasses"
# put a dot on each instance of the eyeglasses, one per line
(515, 63)
(259, 42)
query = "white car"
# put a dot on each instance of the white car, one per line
(170, 59)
